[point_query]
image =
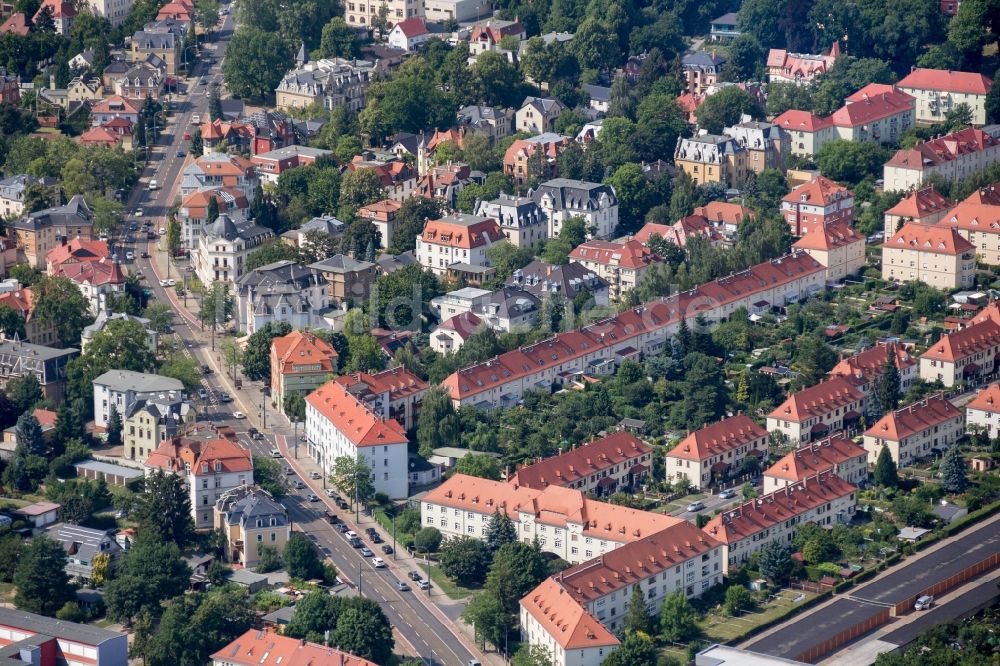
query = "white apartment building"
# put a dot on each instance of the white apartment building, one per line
(939, 91)
(708, 455)
(933, 254)
(953, 157)
(223, 248)
(983, 413)
(566, 522)
(836, 454)
(121, 388)
(919, 430)
(459, 301)
(456, 239)
(521, 219)
(832, 405)
(113, 10)
(824, 499)
(209, 465)
(338, 424)
(563, 198)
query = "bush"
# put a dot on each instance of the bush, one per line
(427, 540)
(738, 599)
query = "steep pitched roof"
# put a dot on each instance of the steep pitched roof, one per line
(361, 426)
(873, 102)
(815, 458)
(261, 648)
(820, 191)
(914, 418)
(630, 254)
(943, 149)
(100, 272)
(718, 438)
(818, 400)
(920, 203)
(965, 342)
(971, 83)
(928, 238)
(463, 231)
(565, 619)
(78, 249)
(987, 399)
(180, 453)
(794, 120)
(412, 27)
(581, 461)
(298, 348)
(869, 363)
(829, 237)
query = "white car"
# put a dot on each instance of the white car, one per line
(171, 282)
(350, 534)
(163, 283)
(138, 212)
(239, 415)
(162, 231)
(129, 256)
(378, 562)
(153, 185)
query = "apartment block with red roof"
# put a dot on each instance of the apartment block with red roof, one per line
(817, 203)
(577, 613)
(74, 251)
(939, 91)
(262, 648)
(866, 366)
(601, 466)
(193, 213)
(456, 239)
(209, 465)
(832, 405)
(341, 424)
(953, 157)
(929, 253)
(22, 301)
(966, 353)
(214, 170)
(983, 413)
(921, 429)
(395, 393)
(621, 264)
(924, 205)
(710, 455)
(837, 246)
(807, 131)
(799, 68)
(977, 219)
(566, 522)
(824, 499)
(300, 364)
(835, 454)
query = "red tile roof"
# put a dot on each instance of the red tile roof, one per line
(261, 648)
(987, 399)
(582, 461)
(943, 149)
(21, 301)
(934, 238)
(179, 453)
(99, 136)
(757, 515)
(17, 24)
(873, 102)
(801, 121)
(103, 271)
(300, 348)
(720, 212)
(630, 254)
(830, 237)
(77, 249)
(965, 342)
(941, 79)
(348, 415)
(869, 363)
(565, 619)
(465, 324)
(914, 418)
(61, 9)
(811, 459)
(920, 203)
(818, 400)
(380, 210)
(462, 231)
(718, 438)
(115, 104)
(820, 191)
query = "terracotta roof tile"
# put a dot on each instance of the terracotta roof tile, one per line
(260, 648)
(718, 438)
(818, 400)
(951, 81)
(581, 461)
(928, 238)
(815, 458)
(987, 399)
(354, 419)
(914, 418)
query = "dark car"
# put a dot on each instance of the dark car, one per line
(342, 505)
(144, 254)
(341, 527)
(413, 575)
(332, 518)
(180, 153)
(370, 531)
(355, 542)
(387, 549)
(376, 538)
(205, 370)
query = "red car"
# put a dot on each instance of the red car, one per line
(187, 136)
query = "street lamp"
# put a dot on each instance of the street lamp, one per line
(394, 535)
(263, 406)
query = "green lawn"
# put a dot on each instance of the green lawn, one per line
(447, 585)
(721, 628)
(679, 503)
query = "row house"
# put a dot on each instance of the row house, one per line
(577, 614)
(208, 465)
(924, 428)
(330, 83)
(709, 158)
(807, 132)
(833, 404)
(395, 393)
(563, 198)
(965, 354)
(824, 499)
(300, 364)
(534, 157)
(272, 164)
(711, 454)
(939, 91)
(339, 424)
(952, 157)
(799, 68)
(866, 367)
(924, 205)
(817, 203)
(935, 255)
(565, 521)
(456, 239)
(621, 264)
(599, 467)
(977, 219)
(502, 381)
(838, 246)
(832, 455)
(983, 413)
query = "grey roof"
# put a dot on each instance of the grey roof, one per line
(408, 141)
(542, 279)
(154, 40)
(291, 151)
(279, 274)
(242, 505)
(476, 115)
(703, 59)
(726, 19)
(109, 468)
(389, 263)
(327, 224)
(82, 633)
(508, 303)
(281, 616)
(598, 93)
(232, 108)
(13, 188)
(104, 318)
(547, 137)
(512, 211)
(140, 382)
(707, 148)
(24, 349)
(226, 228)
(84, 542)
(543, 104)
(75, 213)
(341, 263)
(572, 194)
(246, 577)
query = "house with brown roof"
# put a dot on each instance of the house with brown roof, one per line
(833, 404)
(300, 363)
(74, 251)
(209, 465)
(815, 204)
(921, 429)
(263, 648)
(807, 131)
(193, 213)
(457, 239)
(711, 454)
(340, 423)
(835, 454)
(824, 499)
(214, 170)
(799, 68)
(63, 12)
(97, 280)
(22, 301)
(486, 35)
(967, 353)
(565, 521)
(930, 253)
(383, 215)
(534, 157)
(600, 467)
(577, 613)
(983, 413)
(924, 205)
(865, 367)
(621, 264)
(939, 91)
(112, 107)
(953, 157)
(837, 246)
(454, 331)
(977, 219)
(395, 393)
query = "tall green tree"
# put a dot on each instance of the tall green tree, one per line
(114, 430)
(61, 305)
(24, 392)
(725, 108)
(887, 384)
(29, 435)
(465, 560)
(151, 572)
(885, 469)
(637, 649)
(499, 531)
(352, 477)
(775, 562)
(954, 471)
(255, 62)
(41, 581)
(164, 510)
(516, 570)
(479, 464)
(637, 616)
(301, 558)
(678, 619)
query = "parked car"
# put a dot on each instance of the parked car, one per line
(728, 493)
(387, 549)
(376, 539)
(225, 397)
(315, 476)
(378, 563)
(203, 394)
(402, 587)
(289, 471)
(342, 505)
(924, 602)
(332, 518)
(413, 575)
(696, 506)
(298, 485)
(355, 542)
(275, 453)
(144, 254)
(239, 415)
(370, 531)
(206, 370)
(180, 153)
(129, 256)
(341, 527)
(138, 212)
(312, 498)
(423, 585)
(352, 535)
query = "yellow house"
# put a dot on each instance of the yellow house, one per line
(250, 518)
(837, 246)
(929, 253)
(710, 158)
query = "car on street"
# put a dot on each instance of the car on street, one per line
(365, 552)
(138, 212)
(728, 493)
(423, 584)
(342, 504)
(298, 485)
(206, 369)
(351, 535)
(402, 587)
(312, 498)
(331, 493)
(355, 542)
(413, 575)
(924, 602)
(387, 549)
(187, 136)
(180, 153)
(378, 562)
(225, 397)
(163, 283)
(289, 471)
(275, 453)
(315, 476)
(239, 415)
(695, 506)
(153, 185)
(376, 539)
(332, 518)
(129, 256)
(203, 394)
(341, 527)
(144, 254)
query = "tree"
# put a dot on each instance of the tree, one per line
(29, 435)
(339, 40)
(516, 570)
(592, 47)
(678, 620)
(725, 108)
(197, 143)
(738, 600)
(885, 469)
(207, 13)
(637, 617)
(216, 307)
(410, 220)
(499, 531)
(359, 188)
(184, 369)
(954, 471)
(295, 408)
(173, 236)
(819, 549)
(479, 464)
(270, 253)
(775, 562)
(41, 581)
(61, 305)
(851, 161)
(269, 474)
(255, 62)
(114, 430)
(532, 655)
(268, 559)
(25, 392)
(301, 558)
(637, 649)
(164, 509)
(912, 510)
(352, 477)
(257, 354)
(11, 551)
(745, 61)
(11, 324)
(887, 383)
(149, 573)
(427, 540)
(465, 560)
(363, 629)
(491, 620)
(635, 197)
(499, 80)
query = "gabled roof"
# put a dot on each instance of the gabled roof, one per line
(794, 120)
(78, 249)
(630, 254)
(179, 454)
(818, 400)
(977, 337)
(565, 619)
(829, 237)
(820, 191)
(100, 272)
(869, 363)
(300, 348)
(718, 438)
(412, 27)
(465, 325)
(943, 149)
(914, 418)
(115, 104)
(352, 418)
(920, 203)
(261, 648)
(971, 83)
(815, 458)
(462, 231)
(928, 238)
(579, 462)
(987, 399)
